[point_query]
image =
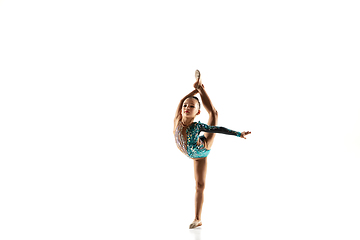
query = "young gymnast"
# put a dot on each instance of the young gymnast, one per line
(197, 147)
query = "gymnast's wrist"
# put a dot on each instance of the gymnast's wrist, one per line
(238, 134)
(200, 89)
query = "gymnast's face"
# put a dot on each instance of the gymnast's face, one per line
(190, 108)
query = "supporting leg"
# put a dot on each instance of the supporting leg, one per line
(200, 167)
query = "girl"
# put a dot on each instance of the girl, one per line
(197, 147)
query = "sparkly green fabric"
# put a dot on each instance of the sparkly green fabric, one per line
(193, 146)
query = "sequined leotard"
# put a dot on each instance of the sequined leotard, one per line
(192, 145)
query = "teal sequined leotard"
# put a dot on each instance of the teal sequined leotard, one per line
(192, 145)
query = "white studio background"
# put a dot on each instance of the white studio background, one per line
(88, 93)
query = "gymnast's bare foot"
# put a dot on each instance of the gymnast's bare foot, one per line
(195, 223)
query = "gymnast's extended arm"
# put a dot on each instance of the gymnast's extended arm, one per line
(215, 129)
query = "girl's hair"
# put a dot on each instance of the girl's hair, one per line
(197, 100)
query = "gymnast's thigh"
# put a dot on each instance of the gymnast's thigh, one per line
(200, 168)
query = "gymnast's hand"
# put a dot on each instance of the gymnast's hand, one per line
(198, 85)
(243, 134)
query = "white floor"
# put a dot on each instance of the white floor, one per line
(76, 203)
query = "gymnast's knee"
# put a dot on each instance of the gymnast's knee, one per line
(200, 186)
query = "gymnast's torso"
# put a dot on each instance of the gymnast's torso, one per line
(189, 141)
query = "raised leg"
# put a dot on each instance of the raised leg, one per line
(213, 116)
